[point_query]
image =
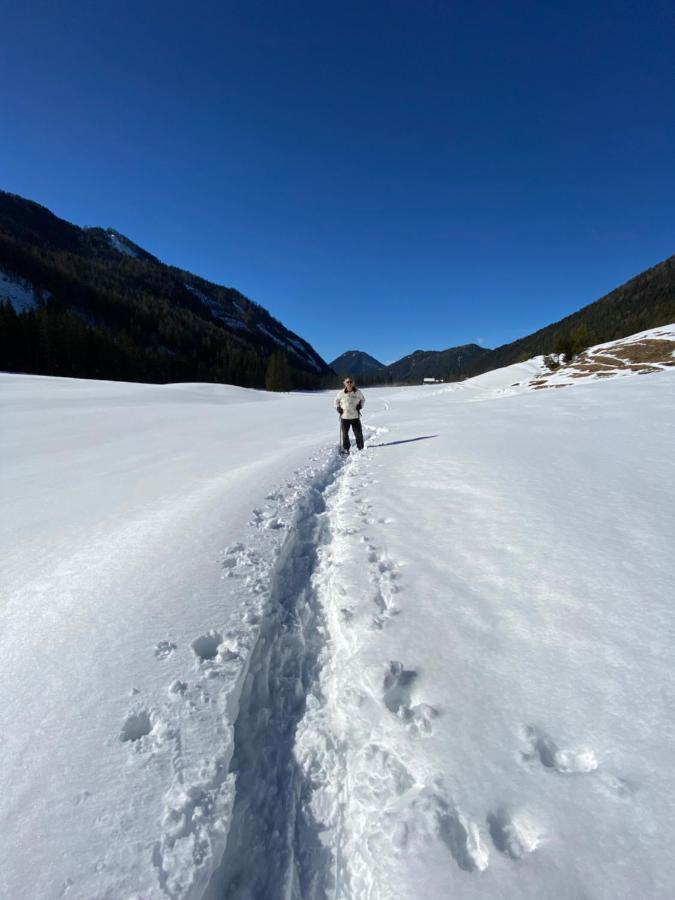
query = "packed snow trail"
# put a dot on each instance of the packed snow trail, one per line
(273, 847)
(440, 668)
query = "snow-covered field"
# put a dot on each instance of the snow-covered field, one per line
(236, 665)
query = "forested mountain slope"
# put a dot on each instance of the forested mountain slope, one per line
(89, 303)
(646, 301)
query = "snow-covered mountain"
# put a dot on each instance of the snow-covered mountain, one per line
(118, 312)
(233, 664)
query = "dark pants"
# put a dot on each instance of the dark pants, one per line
(356, 428)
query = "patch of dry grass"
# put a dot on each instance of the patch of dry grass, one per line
(641, 357)
(648, 351)
(590, 368)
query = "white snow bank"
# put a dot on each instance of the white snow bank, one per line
(503, 379)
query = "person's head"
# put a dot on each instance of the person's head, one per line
(349, 384)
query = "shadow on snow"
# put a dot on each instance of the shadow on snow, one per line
(426, 437)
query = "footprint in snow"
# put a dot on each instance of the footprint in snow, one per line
(397, 697)
(137, 725)
(432, 815)
(462, 837)
(539, 745)
(382, 564)
(378, 776)
(205, 647)
(513, 835)
(614, 786)
(237, 547)
(379, 620)
(177, 688)
(212, 648)
(397, 687)
(267, 518)
(384, 574)
(232, 556)
(237, 559)
(273, 523)
(67, 885)
(164, 649)
(420, 718)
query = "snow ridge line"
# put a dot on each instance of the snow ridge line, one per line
(273, 847)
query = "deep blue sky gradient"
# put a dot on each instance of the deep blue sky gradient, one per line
(384, 176)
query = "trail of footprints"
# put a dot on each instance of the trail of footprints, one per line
(382, 781)
(213, 649)
(202, 790)
(196, 796)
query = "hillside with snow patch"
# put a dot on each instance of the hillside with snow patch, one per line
(644, 353)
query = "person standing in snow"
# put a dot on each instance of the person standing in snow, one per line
(349, 402)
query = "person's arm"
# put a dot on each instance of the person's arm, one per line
(338, 399)
(362, 400)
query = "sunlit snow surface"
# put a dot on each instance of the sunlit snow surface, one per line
(449, 659)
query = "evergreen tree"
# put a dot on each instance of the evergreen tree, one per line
(278, 375)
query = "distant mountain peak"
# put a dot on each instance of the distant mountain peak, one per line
(355, 362)
(435, 363)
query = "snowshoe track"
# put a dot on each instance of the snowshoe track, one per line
(320, 789)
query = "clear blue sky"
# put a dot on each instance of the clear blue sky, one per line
(384, 176)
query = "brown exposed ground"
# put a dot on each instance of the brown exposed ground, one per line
(650, 350)
(643, 357)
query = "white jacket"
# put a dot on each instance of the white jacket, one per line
(348, 401)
